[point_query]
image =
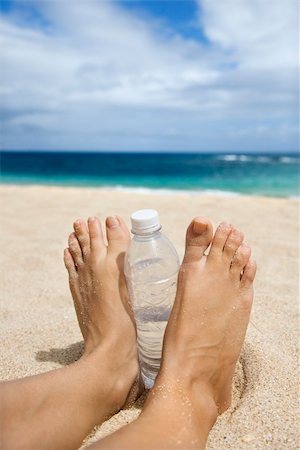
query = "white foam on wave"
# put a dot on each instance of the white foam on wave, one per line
(229, 158)
(240, 158)
(259, 159)
(159, 191)
(289, 159)
(193, 192)
(294, 197)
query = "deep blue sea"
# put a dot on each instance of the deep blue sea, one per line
(269, 175)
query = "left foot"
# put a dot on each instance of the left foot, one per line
(101, 300)
(204, 335)
(211, 312)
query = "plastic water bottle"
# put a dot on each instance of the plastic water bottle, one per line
(151, 269)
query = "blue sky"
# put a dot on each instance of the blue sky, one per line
(194, 75)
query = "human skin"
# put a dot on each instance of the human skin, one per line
(58, 409)
(202, 344)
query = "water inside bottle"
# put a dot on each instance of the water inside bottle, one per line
(152, 303)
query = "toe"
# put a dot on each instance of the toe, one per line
(75, 250)
(82, 234)
(248, 274)
(232, 243)
(96, 236)
(70, 265)
(198, 238)
(117, 233)
(240, 259)
(219, 239)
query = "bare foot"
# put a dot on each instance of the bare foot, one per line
(101, 300)
(202, 343)
(210, 316)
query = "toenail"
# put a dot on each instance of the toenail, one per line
(112, 222)
(199, 227)
(77, 224)
(72, 237)
(245, 245)
(91, 219)
(225, 226)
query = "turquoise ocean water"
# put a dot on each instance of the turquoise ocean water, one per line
(269, 175)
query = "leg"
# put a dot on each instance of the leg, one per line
(202, 343)
(56, 410)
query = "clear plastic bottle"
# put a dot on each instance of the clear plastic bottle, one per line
(151, 269)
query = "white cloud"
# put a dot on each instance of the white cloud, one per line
(260, 33)
(99, 77)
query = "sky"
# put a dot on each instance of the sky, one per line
(187, 75)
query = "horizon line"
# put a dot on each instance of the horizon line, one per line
(159, 152)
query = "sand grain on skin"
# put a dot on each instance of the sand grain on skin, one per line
(39, 331)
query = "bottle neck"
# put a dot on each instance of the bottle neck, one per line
(147, 236)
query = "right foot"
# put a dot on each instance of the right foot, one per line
(209, 319)
(101, 300)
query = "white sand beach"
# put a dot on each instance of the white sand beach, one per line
(39, 329)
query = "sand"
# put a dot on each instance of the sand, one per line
(39, 330)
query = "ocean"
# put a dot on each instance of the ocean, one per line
(224, 173)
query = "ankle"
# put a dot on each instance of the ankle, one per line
(179, 414)
(205, 404)
(118, 375)
(198, 396)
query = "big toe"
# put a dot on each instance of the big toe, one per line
(117, 233)
(198, 238)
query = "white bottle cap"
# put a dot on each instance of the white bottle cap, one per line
(145, 221)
